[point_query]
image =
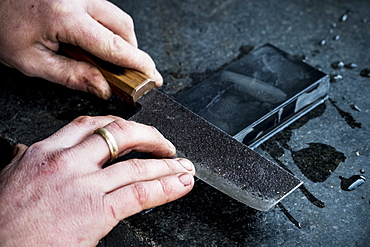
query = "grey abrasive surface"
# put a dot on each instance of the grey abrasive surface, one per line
(219, 159)
(328, 148)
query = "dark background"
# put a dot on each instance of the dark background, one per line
(191, 40)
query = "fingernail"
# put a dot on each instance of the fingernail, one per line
(186, 179)
(103, 94)
(186, 164)
(158, 78)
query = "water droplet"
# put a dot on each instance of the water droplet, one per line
(355, 107)
(362, 171)
(337, 65)
(333, 24)
(352, 183)
(146, 211)
(335, 78)
(365, 72)
(364, 20)
(336, 37)
(344, 16)
(322, 42)
(350, 65)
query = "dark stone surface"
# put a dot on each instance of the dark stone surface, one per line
(190, 40)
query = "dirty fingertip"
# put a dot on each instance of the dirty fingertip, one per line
(101, 93)
(106, 94)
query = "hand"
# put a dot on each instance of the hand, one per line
(31, 32)
(56, 193)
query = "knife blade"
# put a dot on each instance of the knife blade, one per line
(220, 160)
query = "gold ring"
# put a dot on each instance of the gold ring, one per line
(112, 144)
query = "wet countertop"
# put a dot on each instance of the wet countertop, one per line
(328, 148)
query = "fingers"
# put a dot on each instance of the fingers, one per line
(77, 138)
(113, 48)
(134, 198)
(65, 71)
(136, 170)
(105, 31)
(113, 18)
(128, 136)
(109, 44)
(76, 75)
(76, 131)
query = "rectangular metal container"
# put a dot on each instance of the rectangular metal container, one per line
(258, 95)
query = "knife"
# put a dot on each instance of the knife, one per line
(220, 160)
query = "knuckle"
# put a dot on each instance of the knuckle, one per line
(155, 132)
(55, 6)
(46, 162)
(122, 125)
(116, 46)
(154, 129)
(138, 167)
(60, 8)
(128, 22)
(75, 74)
(135, 132)
(148, 61)
(169, 165)
(35, 149)
(53, 163)
(84, 121)
(68, 74)
(140, 194)
(166, 189)
(160, 139)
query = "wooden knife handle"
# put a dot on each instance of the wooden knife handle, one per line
(128, 84)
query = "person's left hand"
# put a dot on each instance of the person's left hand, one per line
(57, 193)
(31, 31)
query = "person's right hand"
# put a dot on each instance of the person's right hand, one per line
(57, 193)
(31, 31)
